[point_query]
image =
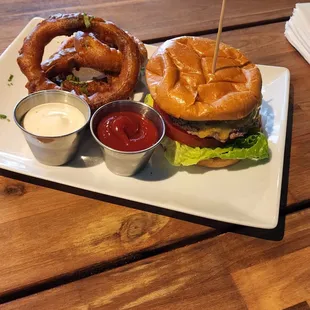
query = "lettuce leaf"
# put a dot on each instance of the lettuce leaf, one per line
(253, 146)
(149, 100)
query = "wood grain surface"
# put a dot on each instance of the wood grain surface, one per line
(230, 271)
(146, 19)
(60, 233)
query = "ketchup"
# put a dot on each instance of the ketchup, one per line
(127, 131)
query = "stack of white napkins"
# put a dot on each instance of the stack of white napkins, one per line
(297, 29)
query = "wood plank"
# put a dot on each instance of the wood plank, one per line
(279, 274)
(60, 233)
(146, 19)
(273, 275)
(300, 306)
(258, 43)
(230, 271)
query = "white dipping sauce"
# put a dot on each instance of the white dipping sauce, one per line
(53, 119)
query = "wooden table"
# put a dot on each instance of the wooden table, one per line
(63, 248)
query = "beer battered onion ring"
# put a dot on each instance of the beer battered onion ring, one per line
(31, 53)
(84, 50)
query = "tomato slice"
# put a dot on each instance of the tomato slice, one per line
(176, 133)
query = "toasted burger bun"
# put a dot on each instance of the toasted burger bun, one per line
(217, 162)
(179, 77)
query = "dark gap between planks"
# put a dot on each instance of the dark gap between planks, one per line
(103, 267)
(214, 30)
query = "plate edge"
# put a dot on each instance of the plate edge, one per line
(274, 223)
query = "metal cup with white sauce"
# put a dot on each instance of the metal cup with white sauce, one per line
(52, 150)
(126, 163)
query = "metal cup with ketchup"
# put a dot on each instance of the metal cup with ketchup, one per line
(128, 133)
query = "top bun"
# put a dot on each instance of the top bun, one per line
(179, 77)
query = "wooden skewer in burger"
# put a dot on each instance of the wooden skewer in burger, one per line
(209, 95)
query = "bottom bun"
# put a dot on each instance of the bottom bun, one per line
(217, 162)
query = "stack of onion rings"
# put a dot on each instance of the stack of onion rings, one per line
(92, 45)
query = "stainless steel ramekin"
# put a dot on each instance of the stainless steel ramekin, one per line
(120, 162)
(56, 150)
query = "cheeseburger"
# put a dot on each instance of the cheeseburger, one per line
(211, 119)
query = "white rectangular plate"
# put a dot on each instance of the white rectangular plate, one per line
(247, 193)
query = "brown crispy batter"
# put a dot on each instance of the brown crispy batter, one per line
(83, 50)
(30, 55)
